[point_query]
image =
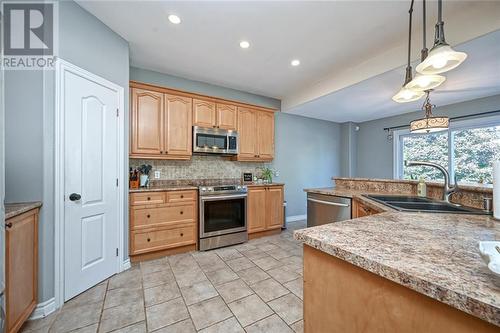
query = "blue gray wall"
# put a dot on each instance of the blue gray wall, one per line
(374, 150)
(307, 154)
(175, 82)
(88, 43)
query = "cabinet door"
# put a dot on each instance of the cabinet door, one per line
(256, 209)
(227, 116)
(204, 113)
(21, 257)
(247, 131)
(178, 125)
(146, 126)
(265, 135)
(274, 207)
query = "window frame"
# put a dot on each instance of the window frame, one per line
(458, 125)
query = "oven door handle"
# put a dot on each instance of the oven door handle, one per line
(223, 197)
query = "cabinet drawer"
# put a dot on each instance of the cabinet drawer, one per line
(181, 196)
(157, 216)
(149, 198)
(158, 239)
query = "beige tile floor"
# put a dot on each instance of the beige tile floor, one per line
(251, 287)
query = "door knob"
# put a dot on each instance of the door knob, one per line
(75, 197)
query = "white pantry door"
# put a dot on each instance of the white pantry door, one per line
(91, 194)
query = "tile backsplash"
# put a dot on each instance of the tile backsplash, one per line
(200, 167)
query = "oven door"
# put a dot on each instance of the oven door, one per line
(220, 215)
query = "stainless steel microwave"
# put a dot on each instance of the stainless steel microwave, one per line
(214, 141)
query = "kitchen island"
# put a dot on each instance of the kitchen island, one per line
(399, 272)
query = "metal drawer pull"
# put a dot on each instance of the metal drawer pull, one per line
(182, 197)
(182, 212)
(148, 216)
(182, 234)
(329, 203)
(149, 239)
(8, 225)
(149, 198)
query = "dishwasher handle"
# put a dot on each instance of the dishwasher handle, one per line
(328, 202)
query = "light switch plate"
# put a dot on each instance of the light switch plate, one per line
(157, 174)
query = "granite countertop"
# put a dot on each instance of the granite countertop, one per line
(163, 188)
(265, 184)
(434, 254)
(15, 209)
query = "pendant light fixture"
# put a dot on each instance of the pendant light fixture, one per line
(405, 94)
(442, 58)
(430, 123)
(425, 82)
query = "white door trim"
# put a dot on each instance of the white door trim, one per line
(63, 66)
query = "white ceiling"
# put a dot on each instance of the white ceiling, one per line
(339, 43)
(478, 76)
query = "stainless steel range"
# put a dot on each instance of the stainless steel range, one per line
(223, 216)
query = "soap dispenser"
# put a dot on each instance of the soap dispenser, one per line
(422, 188)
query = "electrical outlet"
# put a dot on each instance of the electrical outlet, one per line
(157, 174)
(277, 173)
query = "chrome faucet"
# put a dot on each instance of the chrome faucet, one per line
(448, 189)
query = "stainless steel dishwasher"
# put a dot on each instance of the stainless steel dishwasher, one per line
(323, 209)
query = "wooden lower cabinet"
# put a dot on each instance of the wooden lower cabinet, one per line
(21, 274)
(359, 209)
(341, 297)
(265, 210)
(162, 223)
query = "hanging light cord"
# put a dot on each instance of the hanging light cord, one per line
(408, 76)
(427, 106)
(425, 51)
(439, 35)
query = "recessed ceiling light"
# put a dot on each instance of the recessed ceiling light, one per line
(295, 62)
(244, 44)
(174, 19)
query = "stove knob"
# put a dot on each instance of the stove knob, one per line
(203, 189)
(238, 187)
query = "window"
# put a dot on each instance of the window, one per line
(467, 150)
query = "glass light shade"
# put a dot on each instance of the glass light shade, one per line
(425, 82)
(429, 124)
(441, 58)
(406, 95)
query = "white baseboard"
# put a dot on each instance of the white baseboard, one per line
(126, 264)
(44, 309)
(294, 218)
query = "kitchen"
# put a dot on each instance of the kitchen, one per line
(248, 185)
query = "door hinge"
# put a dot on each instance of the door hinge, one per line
(117, 252)
(116, 182)
(117, 112)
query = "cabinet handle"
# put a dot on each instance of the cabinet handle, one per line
(8, 225)
(161, 151)
(149, 239)
(182, 234)
(182, 212)
(182, 197)
(149, 216)
(149, 198)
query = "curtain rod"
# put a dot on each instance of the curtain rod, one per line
(388, 129)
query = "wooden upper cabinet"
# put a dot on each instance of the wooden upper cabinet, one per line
(274, 207)
(147, 130)
(256, 209)
(204, 114)
(265, 135)
(178, 125)
(247, 131)
(227, 116)
(256, 135)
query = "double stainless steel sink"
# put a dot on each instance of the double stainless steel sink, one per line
(419, 204)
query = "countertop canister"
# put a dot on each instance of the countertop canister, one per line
(496, 190)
